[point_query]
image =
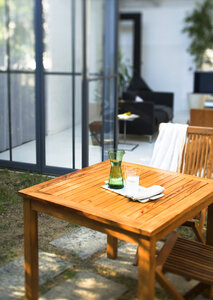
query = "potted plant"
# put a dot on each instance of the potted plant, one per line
(199, 27)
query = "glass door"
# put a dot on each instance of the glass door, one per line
(62, 52)
(100, 75)
(57, 77)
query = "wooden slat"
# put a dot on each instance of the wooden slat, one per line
(198, 153)
(202, 155)
(173, 195)
(190, 258)
(190, 205)
(146, 207)
(128, 208)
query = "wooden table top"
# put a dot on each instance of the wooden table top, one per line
(82, 193)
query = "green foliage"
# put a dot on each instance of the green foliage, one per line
(199, 27)
(124, 73)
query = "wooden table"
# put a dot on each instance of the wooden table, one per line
(79, 198)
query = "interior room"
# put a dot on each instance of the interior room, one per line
(42, 106)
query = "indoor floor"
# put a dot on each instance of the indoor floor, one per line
(59, 148)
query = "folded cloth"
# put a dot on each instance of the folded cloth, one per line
(169, 146)
(142, 194)
(138, 99)
(146, 193)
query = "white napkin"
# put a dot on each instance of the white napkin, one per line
(138, 99)
(146, 193)
(142, 194)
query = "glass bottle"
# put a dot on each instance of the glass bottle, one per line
(116, 177)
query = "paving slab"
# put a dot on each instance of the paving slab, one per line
(82, 241)
(86, 285)
(12, 275)
(123, 264)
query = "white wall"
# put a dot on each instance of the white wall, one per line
(165, 60)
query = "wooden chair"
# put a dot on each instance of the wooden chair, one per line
(197, 160)
(188, 258)
(201, 117)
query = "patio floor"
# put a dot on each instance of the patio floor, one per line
(88, 273)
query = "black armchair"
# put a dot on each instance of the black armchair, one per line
(156, 107)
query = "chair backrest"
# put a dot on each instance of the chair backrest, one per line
(197, 157)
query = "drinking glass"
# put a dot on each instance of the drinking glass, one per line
(132, 176)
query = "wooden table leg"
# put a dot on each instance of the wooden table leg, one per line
(112, 246)
(30, 252)
(146, 269)
(209, 233)
(209, 236)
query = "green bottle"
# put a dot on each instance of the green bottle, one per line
(116, 177)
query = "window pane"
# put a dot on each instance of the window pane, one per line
(22, 40)
(126, 43)
(95, 36)
(2, 36)
(95, 121)
(78, 122)
(78, 36)
(109, 123)
(4, 123)
(58, 122)
(23, 118)
(57, 31)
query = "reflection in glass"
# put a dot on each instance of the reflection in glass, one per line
(58, 121)
(108, 130)
(78, 36)
(95, 121)
(23, 118)
(96, 36)
(78, 122)
(4, 121)
(58, 37)
(126, 43)
(3, 57)
(21, 33)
